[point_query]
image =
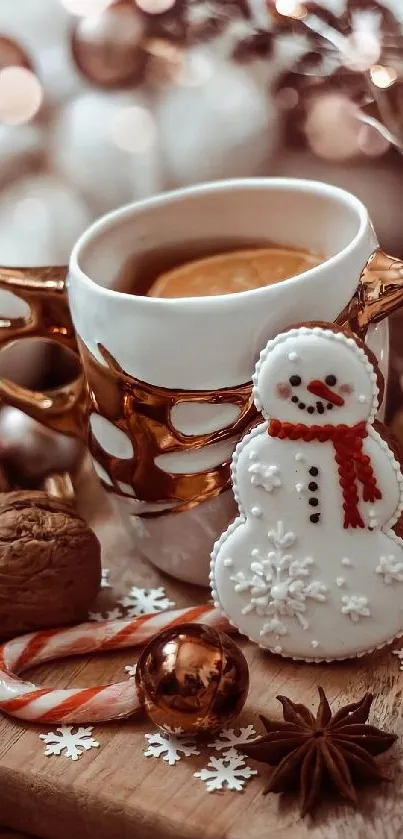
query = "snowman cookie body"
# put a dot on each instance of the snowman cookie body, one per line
(312, 568)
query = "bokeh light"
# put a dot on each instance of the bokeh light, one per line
(332, 127)
(21, 95)
(195, 70)
(360, 50)
(383, 77)
(84, 8)
(155, 7)
(290, 8)
(287, 98)
(133, 129)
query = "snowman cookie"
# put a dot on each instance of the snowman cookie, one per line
(312, 568)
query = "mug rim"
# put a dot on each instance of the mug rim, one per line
(135, 208)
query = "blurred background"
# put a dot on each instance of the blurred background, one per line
(106, 101)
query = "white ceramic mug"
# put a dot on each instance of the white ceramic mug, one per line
(166, 375)
(209, 343)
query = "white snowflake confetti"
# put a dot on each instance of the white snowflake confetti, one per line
(142, 601)
(391, 569)
(229, 771)
(168, 745)
(105, 573)
(278, 585)
(267, 477)
(111, 615)
(131, 670)
(71, 744)
(231, 738)
(355, 607)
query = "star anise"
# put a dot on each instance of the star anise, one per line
(311, 753)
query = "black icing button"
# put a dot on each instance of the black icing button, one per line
(313, 502)
(312, 486)
(329, 406)
(310, 409)
(314, 518)
(301, 406)
(314, 471)
(295, 381)
(294, 399)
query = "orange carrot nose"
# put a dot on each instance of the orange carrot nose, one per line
(319, 388)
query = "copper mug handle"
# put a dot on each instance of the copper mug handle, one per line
(64, 408)
(379, 293)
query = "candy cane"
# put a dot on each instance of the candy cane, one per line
(98, 704)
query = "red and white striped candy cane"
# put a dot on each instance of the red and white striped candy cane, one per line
(77, 705)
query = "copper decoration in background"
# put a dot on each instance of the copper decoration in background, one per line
(108, 48)
(143, 412)
(379, 293)
(192, 677)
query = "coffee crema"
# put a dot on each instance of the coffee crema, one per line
(236, 271)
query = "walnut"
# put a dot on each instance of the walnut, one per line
(50, 566)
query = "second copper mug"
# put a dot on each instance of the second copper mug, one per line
(165, 389)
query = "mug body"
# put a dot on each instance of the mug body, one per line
(169, 379)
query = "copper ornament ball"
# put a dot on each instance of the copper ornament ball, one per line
(192, 677)
(108, 48)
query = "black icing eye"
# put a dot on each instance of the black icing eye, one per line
(295, 380)
(331, 380)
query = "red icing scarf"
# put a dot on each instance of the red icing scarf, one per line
(352, 464)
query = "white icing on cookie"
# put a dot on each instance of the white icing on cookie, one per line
(292, 534)
(257, 512)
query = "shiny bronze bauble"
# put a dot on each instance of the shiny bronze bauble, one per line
(193, 678)
(108, 47)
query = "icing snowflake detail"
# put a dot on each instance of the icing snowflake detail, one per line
(278, 584)
(112, 615)
(142, 601)
(391, 569)
(105, 573)
(355, 607)
(229, 771)
(263, 476)
(231, 738)
(131, 670)
(71, 744)
(169, 744)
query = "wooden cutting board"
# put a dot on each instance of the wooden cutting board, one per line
(114, 792)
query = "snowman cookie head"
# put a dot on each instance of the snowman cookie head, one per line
(315, 375)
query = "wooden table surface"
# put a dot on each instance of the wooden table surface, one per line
(114, 792)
